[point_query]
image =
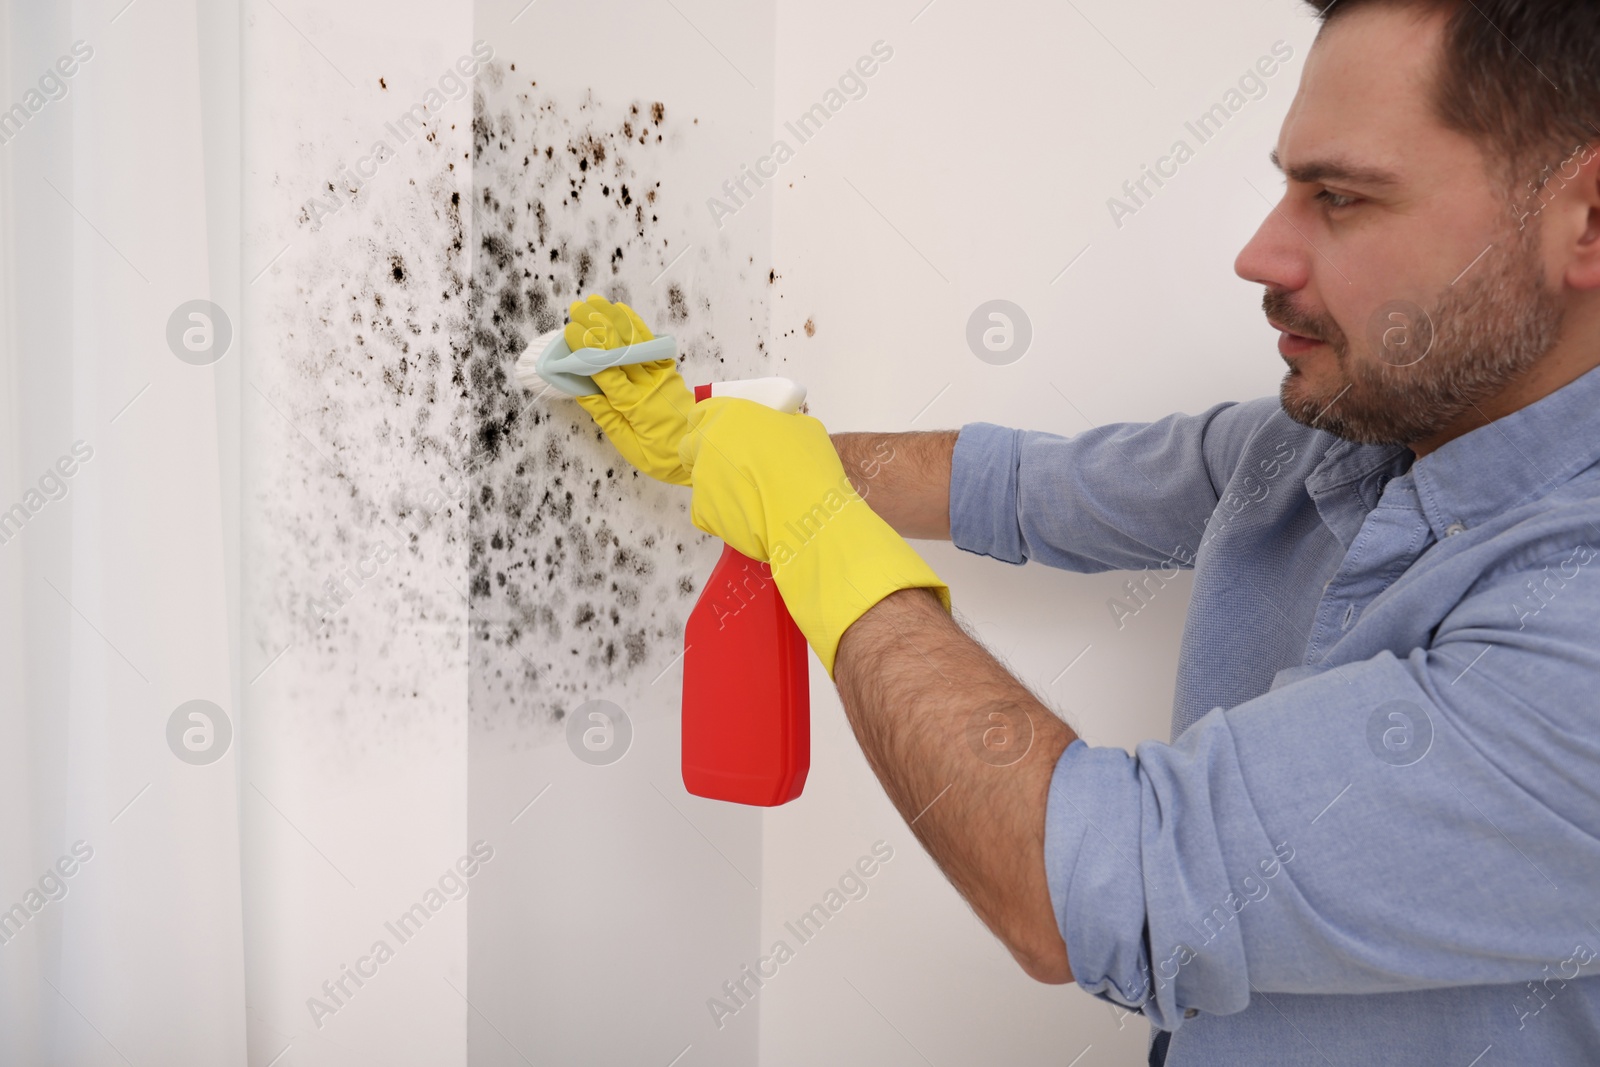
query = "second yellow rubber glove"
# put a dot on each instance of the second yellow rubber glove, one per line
(643, 408)
(771, 485)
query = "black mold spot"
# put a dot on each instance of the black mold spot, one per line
(677, 307)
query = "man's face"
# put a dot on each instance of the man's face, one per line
(1405, 288)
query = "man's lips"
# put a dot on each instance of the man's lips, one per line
(1291, 343)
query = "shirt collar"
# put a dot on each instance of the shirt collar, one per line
(1474, 477)
(1517, 458)
(1347, 482)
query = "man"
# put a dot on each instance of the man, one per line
(1375, 836)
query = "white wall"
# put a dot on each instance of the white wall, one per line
(353, 792)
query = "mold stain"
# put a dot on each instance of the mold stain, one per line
(358, 463)
(582, 570)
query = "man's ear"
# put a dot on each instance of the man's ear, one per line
(1583, 236)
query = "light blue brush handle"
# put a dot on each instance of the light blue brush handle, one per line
(570, 371)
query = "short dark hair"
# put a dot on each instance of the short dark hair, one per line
(1521, 77)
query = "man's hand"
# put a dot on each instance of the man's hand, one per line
(771, 485)
(642, 407)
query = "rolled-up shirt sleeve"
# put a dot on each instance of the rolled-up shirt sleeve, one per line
(1119, 496)
(1387, 824)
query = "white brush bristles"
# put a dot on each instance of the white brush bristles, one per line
(526, 369)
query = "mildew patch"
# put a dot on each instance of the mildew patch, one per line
(357, 416)
(583, 570)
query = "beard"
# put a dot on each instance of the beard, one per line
(1479, 335)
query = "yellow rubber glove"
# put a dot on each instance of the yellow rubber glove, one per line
(643, 408)
(771, 485)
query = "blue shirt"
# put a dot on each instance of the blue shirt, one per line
(1375, 835)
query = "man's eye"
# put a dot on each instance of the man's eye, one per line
(1335, 200)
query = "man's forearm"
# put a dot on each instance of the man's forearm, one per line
(904, 477)
(966, 754)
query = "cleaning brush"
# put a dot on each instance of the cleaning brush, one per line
(549, 368)
(549, 363)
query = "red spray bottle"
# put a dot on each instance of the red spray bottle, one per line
(746, 690)
(746, 681)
